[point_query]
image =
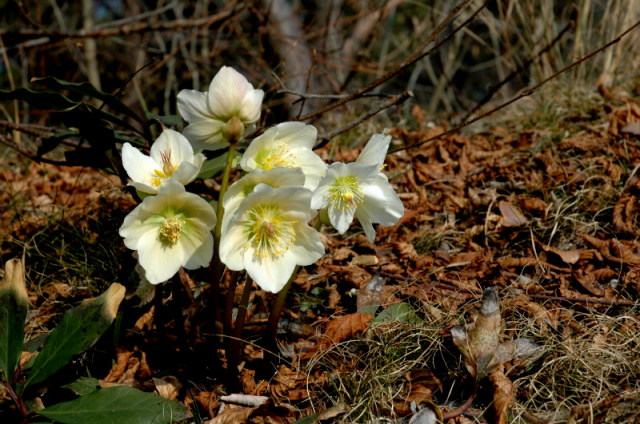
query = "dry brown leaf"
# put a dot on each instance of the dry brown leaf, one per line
(344, 327)
(232, 416)
(570, 257)
(511, 215)
(168, 387)
(502, 394)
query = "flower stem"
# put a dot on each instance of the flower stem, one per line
(217, 267)
(233, 347)
(276, 310)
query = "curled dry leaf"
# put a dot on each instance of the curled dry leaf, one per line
(245, 400)
(502, 394)
(511, 215)
(168, 387)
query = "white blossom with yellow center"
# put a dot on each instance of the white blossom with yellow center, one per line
(170, 230)
(239, 190)
(231, 104)
(287, 145)
(269, 235)
(171, 159)
(360, 190)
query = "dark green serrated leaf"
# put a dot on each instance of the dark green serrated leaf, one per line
(13, 312)
(117, 405)
(87, 89)
(39, 99)
(83, 385)
(79, 328)
(214, 167)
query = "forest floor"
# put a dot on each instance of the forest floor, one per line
(542, 206)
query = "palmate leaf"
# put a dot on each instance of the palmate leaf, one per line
(13, 312)
(117, 405)
(77, 331)
(87, 89)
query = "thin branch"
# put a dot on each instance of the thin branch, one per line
(394, 101)
(413, 58)
(523, 94)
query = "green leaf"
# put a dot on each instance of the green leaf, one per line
(398, 312)
(79, 328)
(168, 120)
(214, 167)
(13, 313)
(83, 385)
(39, 99)
(87, 89)
(117, 405)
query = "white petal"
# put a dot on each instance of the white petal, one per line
(232, 247)
(297, 134)
(367, 225)
(202, 256)
(227, 92)
(381, 203)
(270, 273)
(263, 141)
(312, 165)
(145, 188)
(159, 261)
(251, 105)
(185, 173)
(307, 248)
(173, 144)
(206, 135)
(137, 165)
(341, 218)
(192, 106)
(320, 197)
(375, 151)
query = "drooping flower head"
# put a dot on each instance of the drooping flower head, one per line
(170, 230)
(224, 114)
(171, 159)
(239, 190)
(359, 189)
(269, 235)
(287, 145)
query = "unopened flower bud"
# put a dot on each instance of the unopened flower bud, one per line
(233, 130)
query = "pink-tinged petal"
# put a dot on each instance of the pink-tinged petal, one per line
(206, 135)
(270, 273)
(174, 145)
(192, 106)
(227, 92)
(160, 262)
(137, 165)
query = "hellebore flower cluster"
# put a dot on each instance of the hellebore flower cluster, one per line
(265, 218)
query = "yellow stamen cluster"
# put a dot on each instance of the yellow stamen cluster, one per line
(278, 157)
(167, 170)
(346, 193)
(268, 231)
(170, 230)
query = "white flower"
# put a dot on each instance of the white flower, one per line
(230, 108)
(357, 189)
(269, 235)
(171, 159)
(239, 190)
(375, 151)
(287, 145)
(170, 230)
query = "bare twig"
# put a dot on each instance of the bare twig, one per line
(394, 101)
(523, 94)
(413, 58)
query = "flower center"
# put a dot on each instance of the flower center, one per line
(277, 157)
(268, 231)
(167, 170)
(346, 193)
(170, 230)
